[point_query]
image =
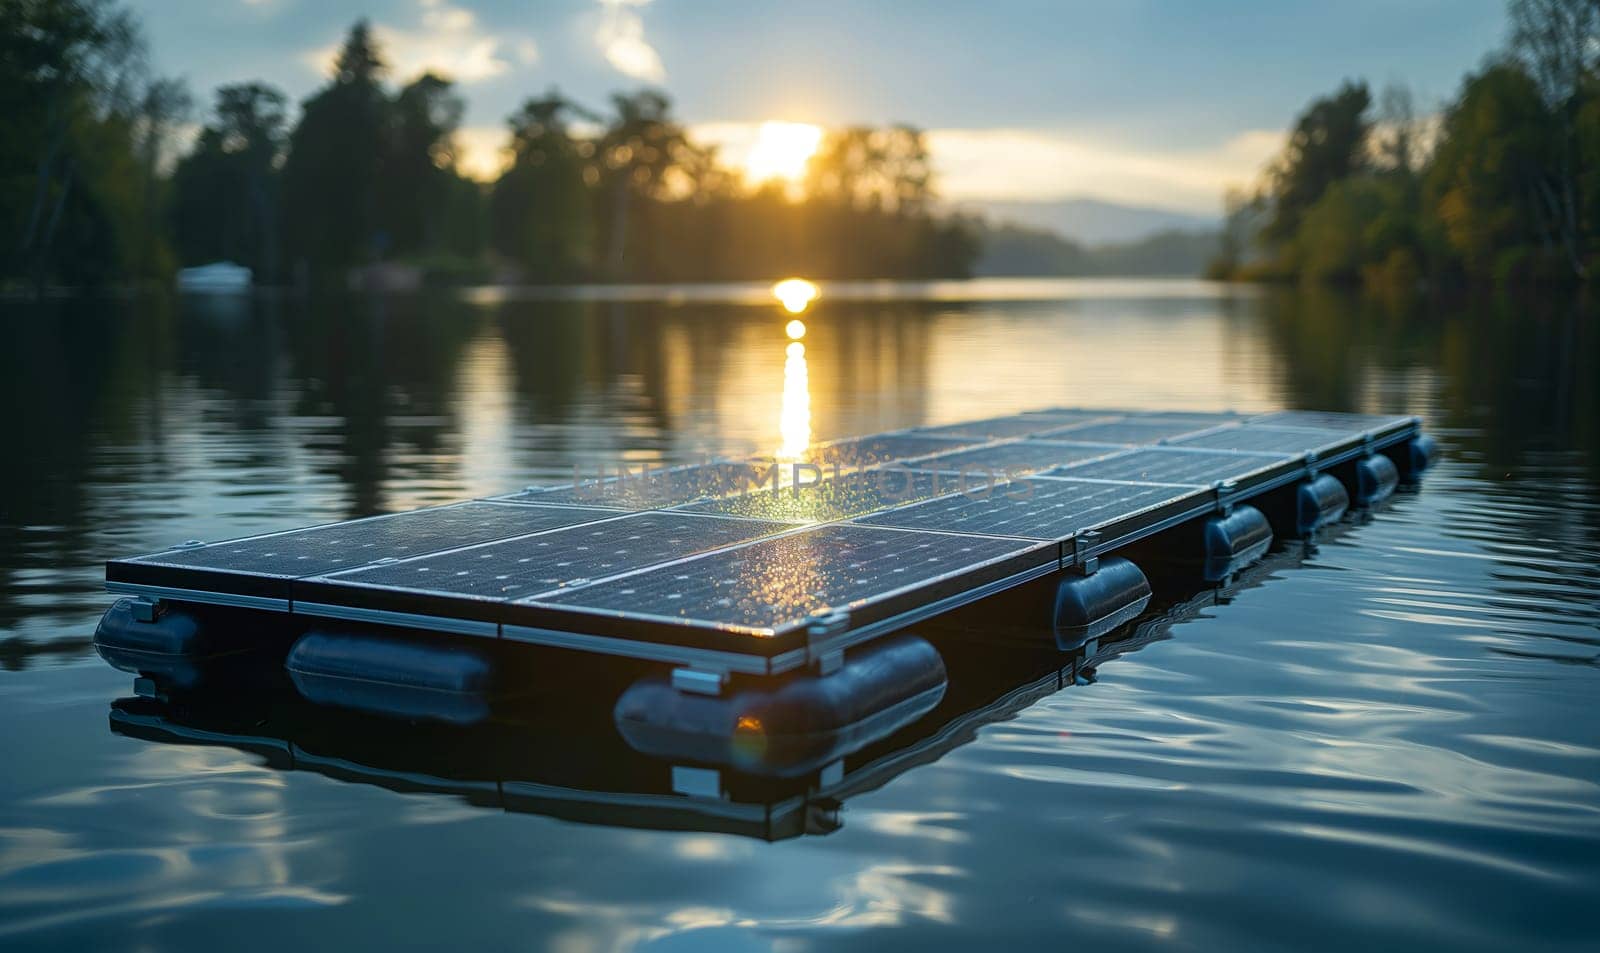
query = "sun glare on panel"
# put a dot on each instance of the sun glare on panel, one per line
(781, 150)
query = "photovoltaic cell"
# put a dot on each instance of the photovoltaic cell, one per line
(871, 451)
(1268, 439)
(653, 488)
(834, 499)
(1073, 414)
(521, 567)
(1035, 509)
(1199, 418)
(778, 583)
(1022, 456)
(324, 549)
(1164, 465)
(1132, 432)
(1332, 421)
(1017, 425)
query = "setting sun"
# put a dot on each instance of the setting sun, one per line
(781, 150)
(795, 294)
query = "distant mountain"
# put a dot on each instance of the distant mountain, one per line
(1092, 221)
(1015, 251)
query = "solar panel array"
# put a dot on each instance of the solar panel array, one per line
(777, 583)
(735, 554)
(548, 562)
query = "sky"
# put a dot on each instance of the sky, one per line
(1139, 102)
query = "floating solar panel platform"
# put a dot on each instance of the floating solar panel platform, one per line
(762, 569)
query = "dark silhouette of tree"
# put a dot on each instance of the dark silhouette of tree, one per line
(639, 158)
(419, 170)
(81, 122)
(225, 191)
(1558, 44)
(331, 214)
(540, 209)
(1397, 139)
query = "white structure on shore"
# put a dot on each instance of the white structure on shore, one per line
(222, 277)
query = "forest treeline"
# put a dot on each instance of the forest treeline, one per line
(1018, 251)
(1502, 185)
(369, 174)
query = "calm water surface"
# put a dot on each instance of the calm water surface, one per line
(1387, 740)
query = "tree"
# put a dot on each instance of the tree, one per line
(1557, 42)
(225, 191)
(1329, 143)
(540, 206)
(639, 157)
(419, 167)
(81, 122)
(864, 168)
(331, 212)
(1481, 193)
(1356, 223)
(1396, 142)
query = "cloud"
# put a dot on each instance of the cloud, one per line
(621, 39)
(446, 40)
(975, 164)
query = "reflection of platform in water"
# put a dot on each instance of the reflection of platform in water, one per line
(693, 566)
(572, 764)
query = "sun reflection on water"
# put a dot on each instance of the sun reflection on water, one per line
(794, 417)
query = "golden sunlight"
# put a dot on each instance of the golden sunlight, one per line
(794, 421)
(796, 294)
(796, 329)
(781, 151)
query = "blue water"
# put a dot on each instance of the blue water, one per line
(1387, 740)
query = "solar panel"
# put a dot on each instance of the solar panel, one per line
(1072, 414)
(652, 488)
(778, 584)
(1199, 418)
(1016, 425)
(1333, 421)
(1259, 439)
(1131, 432)
(1168, 465)
(871, 451)
(1023, 456)
(323, 549)
(527, 565)
(834, 499)
(1031, 508)
(671, 563)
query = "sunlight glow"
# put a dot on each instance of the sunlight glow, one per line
(796, 295)
(781, 151)
(796, 329)
(794, 421)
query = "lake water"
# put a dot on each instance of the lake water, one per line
(1388, 740)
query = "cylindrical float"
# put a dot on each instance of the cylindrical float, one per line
(793, 726)
(436, 677)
